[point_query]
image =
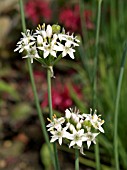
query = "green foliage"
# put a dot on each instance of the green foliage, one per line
(21, 111)
(45, 157)
(5, 87)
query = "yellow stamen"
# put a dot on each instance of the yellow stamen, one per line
(49, 120)
(39, 27)
(54, 116)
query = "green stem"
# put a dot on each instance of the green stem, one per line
(76, 159)
(113, 18)
(117, 109)
(41, 118)
(97, 156)
(49, 92)
(57, 166)
(85, 54)
(83, 27)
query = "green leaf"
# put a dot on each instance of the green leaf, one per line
(45, 157)
(5, 87)
(21, 111)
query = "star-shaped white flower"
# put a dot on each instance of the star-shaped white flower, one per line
(90, 137)
(48, 49)
(95, 120)
(26, 42)
(77, 138)
(69, 38)
(32, 53)
(66, 49)
(56, 123)
(59, 134)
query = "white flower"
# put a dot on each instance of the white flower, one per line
(56, 123)
(77, 138)
(59, 134)
(48, 49)
(28, 36)
(95, 120)
(70, 39)
(66, 49)
(41, 31)
(32, 53)
(90, 137)
(25, 42)
(75, 117)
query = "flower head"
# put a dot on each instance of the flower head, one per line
(48, 41)
(76, 128)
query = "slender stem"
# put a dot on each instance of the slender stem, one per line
(117, 109)
(84, 53)
(49, 92)
(113, 17)
(97, 156)
(76, 159)
(83, 26)
(41, 118)
(57, 166)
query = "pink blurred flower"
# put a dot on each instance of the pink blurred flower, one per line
(37, 10)
(70, 18)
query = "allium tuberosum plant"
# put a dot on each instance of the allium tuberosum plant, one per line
(47, 45)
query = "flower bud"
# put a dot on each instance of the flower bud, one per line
(49, 31)
(67, 114)
(56, 28)
(39, 40)
(78, 126)
(72, 128)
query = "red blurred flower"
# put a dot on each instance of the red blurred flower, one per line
(37, 10)
(61, 98)
(70, 18)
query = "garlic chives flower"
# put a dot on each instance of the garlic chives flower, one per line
(47, 41)
(76, 128)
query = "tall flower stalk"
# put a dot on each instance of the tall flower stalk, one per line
(47, 45)
(40, 115)
(51, 115)
(97, 156)
(116, 155)
(76, 159)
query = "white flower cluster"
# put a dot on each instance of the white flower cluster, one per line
(76, 128)
(47, 41)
